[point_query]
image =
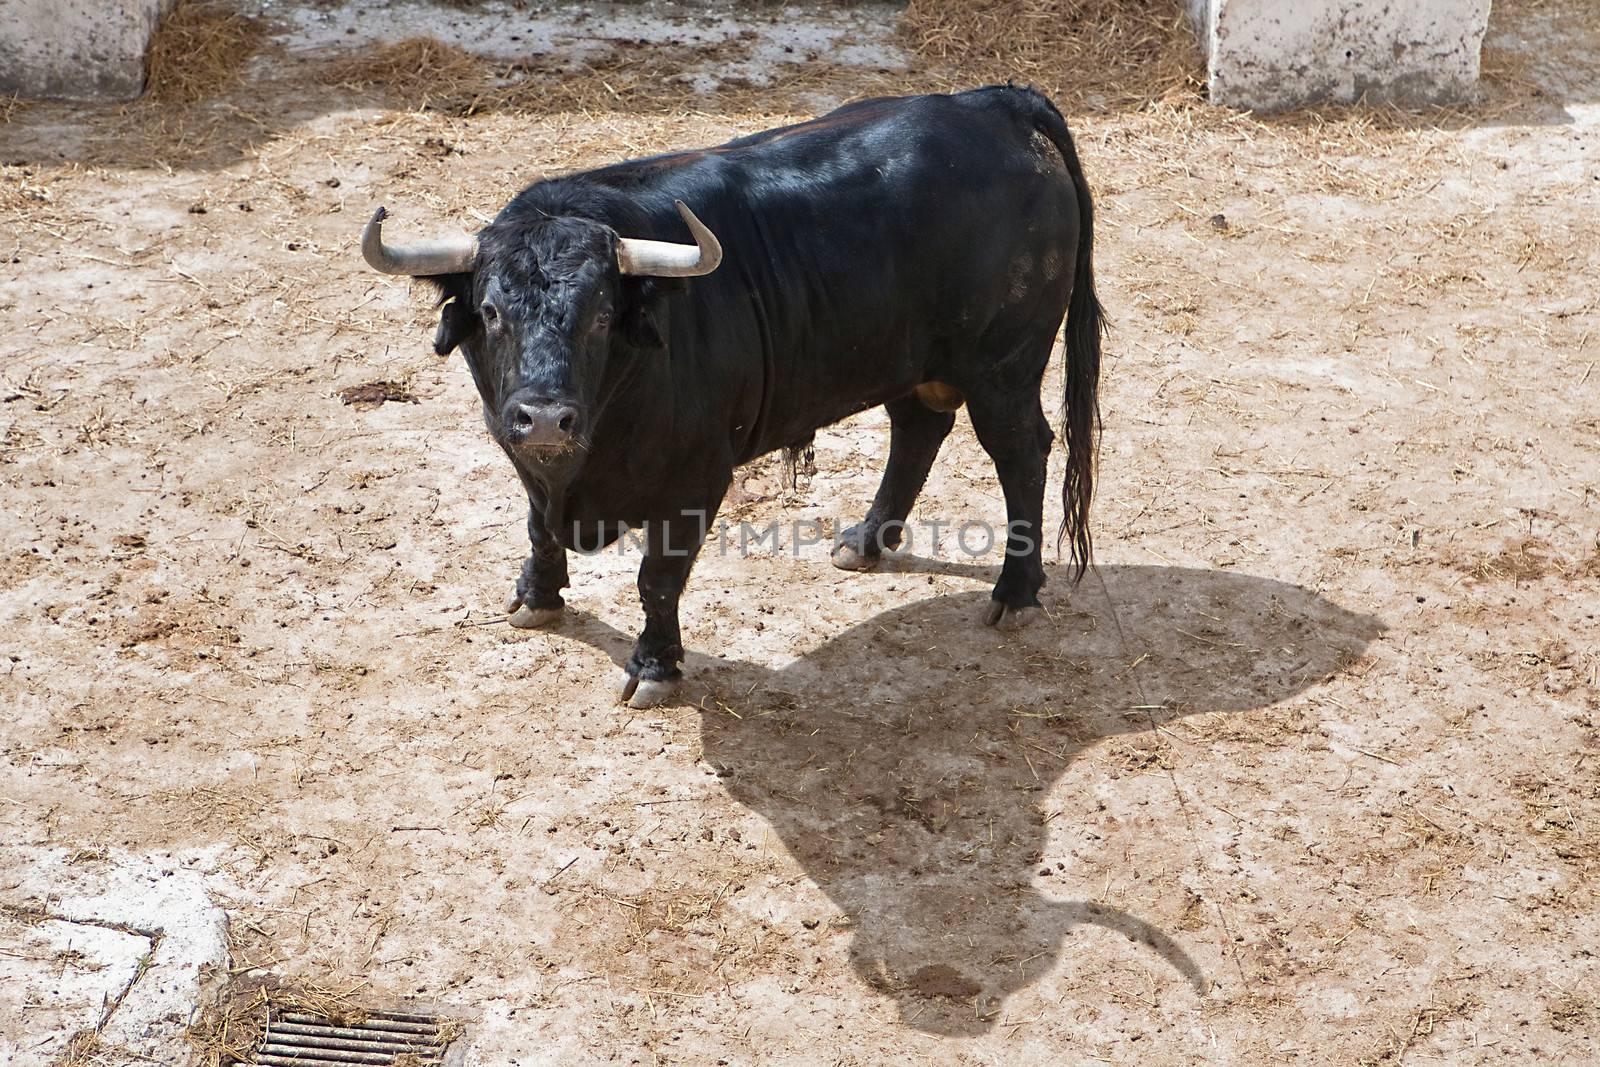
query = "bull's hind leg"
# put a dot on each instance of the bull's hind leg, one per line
(1013, 430)
(915, 433)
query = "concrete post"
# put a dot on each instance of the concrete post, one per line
(76, 49)
(1269, 55)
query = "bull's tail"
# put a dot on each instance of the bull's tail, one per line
(1085, 325)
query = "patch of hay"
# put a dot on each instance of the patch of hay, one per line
(417, 69)
(1094, 53)
(424, 73)
(199, 49)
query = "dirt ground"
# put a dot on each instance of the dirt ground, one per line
(1306, 771)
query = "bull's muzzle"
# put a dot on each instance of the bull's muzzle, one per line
(536, 423)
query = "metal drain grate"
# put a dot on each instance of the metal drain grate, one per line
(299, 1039)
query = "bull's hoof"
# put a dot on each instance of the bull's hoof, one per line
(848, 559)
(647, 693)
(1009, 619)
(526, 618)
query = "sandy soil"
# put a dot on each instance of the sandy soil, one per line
(1305, 772)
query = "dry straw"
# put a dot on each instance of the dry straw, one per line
(421, 72)
(1091, 53)
(198, 50)
(418, 69)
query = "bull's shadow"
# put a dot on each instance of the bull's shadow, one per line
(905, 763)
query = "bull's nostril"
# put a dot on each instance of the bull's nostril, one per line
(565, 425)
(522, 419)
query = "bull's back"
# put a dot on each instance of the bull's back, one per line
(864, 250)
(930, 189)
(894, 235)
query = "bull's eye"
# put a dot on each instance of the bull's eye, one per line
(602, 319)
(489, 314)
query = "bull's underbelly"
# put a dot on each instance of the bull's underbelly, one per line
(793, 424)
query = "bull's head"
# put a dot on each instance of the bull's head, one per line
(541, 310)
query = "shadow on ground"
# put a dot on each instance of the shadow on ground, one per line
(906, 763)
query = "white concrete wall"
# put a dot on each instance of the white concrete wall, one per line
(76, 49)
(1270, 55)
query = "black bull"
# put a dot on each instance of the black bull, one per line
(916, 252)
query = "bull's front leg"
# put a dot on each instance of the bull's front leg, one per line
(537, 601)
(671, 546)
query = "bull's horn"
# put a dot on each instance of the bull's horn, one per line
(449, 255)
(664, 259)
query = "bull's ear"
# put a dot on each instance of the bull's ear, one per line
(458, 319)
(644, 310)
(456, 323)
